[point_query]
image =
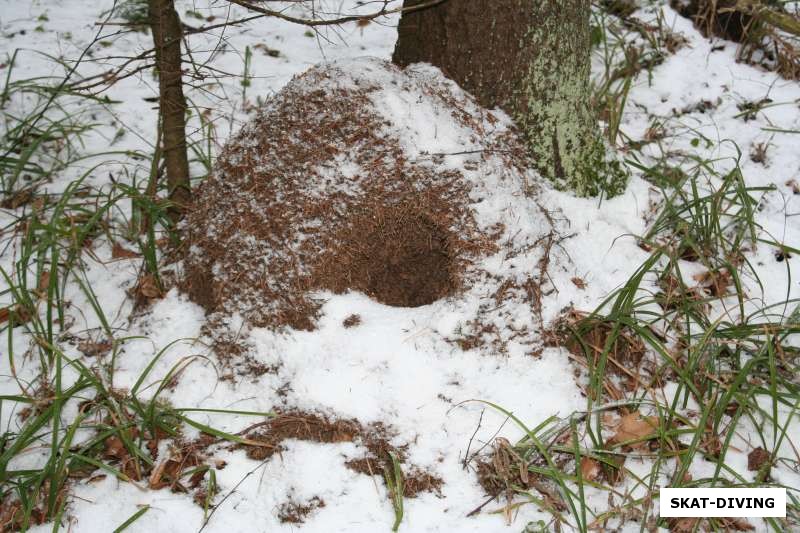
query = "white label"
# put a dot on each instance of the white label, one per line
(739, 502)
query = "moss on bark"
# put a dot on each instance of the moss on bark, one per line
(532, 60)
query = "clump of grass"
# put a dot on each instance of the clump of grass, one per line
(41, 134)
(625, 46)
(700, 222)
(67, 410)
(721, 366)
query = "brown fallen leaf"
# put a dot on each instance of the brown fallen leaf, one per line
(794, 186)
(120, 252)
(17, 199)
(115, 448)
(757, 458)
(732, 408)
(736, 524)
(44, 283)
(197, 477)
(714, 283)
(590, 468)
(682, 525)
(169, 471)
(635, 427)
(17, 312)
(155, 482)
(148, 287)
(130, 468)
(95, 349)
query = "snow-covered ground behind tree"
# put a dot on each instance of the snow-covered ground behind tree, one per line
(398, 366)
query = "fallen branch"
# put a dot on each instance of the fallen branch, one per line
(758, 10)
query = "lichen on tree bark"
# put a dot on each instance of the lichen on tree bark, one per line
(532, 60)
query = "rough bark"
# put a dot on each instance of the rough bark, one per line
(530, 58)
(167, 32)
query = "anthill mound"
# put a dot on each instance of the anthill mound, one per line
(356, 176)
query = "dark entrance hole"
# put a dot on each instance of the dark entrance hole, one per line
(410, 265)
(397, 255)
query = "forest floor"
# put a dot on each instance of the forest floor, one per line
(649, 340)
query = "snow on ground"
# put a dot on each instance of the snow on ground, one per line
(395, 366)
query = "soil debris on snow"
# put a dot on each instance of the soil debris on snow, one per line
(296, 512)
(312, 427)
(299, 426)
(351, 321)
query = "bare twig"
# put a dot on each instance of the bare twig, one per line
(384, 11)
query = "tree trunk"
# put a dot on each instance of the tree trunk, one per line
(167, 32)
(532, 59)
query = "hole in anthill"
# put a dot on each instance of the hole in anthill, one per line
(399, 255)
(409, 264)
